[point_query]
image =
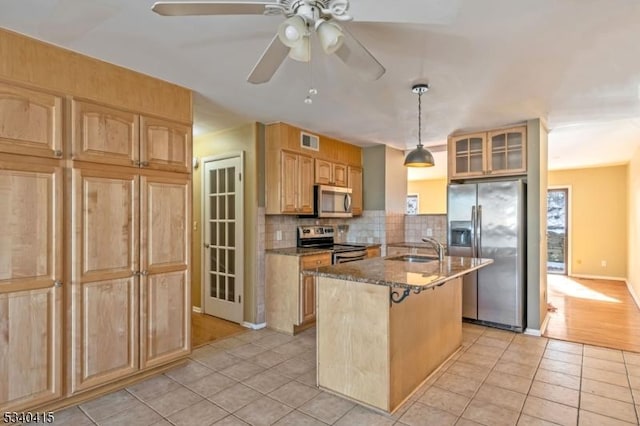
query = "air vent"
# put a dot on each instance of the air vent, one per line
(309, 141)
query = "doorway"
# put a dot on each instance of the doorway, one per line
(223, 237)
(557, 230)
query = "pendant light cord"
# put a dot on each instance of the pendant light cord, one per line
(420, 119)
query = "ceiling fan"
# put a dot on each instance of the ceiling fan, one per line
(303, 18)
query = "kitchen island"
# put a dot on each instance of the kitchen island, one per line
(385, 324)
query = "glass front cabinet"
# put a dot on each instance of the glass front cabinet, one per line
(494, 153)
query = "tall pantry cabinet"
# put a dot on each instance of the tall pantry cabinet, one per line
(31, 247)
(94, 245)
(130, 243)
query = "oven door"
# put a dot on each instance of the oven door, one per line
(349, 256)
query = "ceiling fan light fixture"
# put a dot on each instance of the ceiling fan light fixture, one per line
(330, 35)
(293, 31)
(419, 157)
(301, 51)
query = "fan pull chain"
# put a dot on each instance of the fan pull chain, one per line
(312, 90)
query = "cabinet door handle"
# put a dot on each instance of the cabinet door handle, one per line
(136, 163)
(136, 273)
(207, 245)
(144, 163)
(144, 273)
(57, 153)
(57, 283)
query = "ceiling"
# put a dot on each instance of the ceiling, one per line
(574, 63)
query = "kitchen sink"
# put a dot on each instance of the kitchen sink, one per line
(413, 258)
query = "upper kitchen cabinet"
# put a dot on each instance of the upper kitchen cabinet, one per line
(329, 173)
(31, 274)
(354, 175)
(165, 145)
(103, 134)
(30, 122)
(296, 183)
(296, 160)
(494, 153)
(107, 135)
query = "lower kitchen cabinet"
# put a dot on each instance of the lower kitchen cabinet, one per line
(373, 252)
(290, 295)
(30, 281)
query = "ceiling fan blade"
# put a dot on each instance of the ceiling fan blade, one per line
(179, 8)
(356, 56)
(269, 62)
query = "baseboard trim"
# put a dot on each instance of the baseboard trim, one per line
(633, 294)
(545, 323)
(532, 332)
(196, 309)
(253, 326)
(597, 277)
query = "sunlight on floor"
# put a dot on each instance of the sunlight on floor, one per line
(568, 287)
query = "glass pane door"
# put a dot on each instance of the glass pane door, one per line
(222, 244)
(557, 220)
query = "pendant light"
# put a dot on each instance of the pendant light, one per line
(419, 157)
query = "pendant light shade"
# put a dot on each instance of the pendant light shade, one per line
(419, 157)
(294, 34)
(330, 35)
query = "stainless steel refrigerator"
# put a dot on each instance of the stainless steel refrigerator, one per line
(487, 219)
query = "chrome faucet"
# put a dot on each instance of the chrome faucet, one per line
(437, 245)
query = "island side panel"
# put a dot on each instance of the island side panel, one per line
(425, 329)
(282, 291)
(352, 327)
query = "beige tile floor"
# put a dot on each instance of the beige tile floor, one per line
(497, 378)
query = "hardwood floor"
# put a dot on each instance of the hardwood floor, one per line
(595, 312)
(205, 329)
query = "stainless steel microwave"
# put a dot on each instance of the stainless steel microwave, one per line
(332, 201)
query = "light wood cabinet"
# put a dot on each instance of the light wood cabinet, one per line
(329, 173)
(105, 269)
(130, 302)
(373, 252)
(107, 135)
(291, 170)
(354, 182)
(290, 295)
(31, 277)
(165, 324)
(30, 122)
(165, 145)
(103, 134)
(296, 182)
(495, 153)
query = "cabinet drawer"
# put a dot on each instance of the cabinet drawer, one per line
(315, 261)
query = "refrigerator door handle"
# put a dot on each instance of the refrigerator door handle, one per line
(474, 253)
(479, 222)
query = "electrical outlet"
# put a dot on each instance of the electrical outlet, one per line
(278, 235)
(603, 263)
(195, 225)
(429, 232)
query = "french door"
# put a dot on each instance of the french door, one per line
(223, 238)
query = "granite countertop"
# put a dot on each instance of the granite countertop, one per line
(394, 273)
(419, 245)
(297, 251)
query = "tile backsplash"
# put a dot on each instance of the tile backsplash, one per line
(417, 227)
(373, 227)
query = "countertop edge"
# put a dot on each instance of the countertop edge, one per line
(396, 284)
